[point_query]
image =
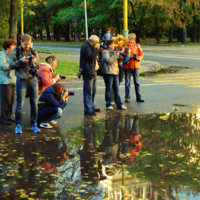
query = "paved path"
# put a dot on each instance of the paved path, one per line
(190, 79)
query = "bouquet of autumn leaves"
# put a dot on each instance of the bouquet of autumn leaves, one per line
(121, 42)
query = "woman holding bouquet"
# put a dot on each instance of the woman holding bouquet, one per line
(111, 72)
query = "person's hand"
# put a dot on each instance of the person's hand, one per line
(65, 95)
(24, 59)
(97, 45)
(57, 77)
(34, 60)
(117, 53)
(120, 57)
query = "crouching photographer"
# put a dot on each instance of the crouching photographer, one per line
(51, 104)
(25, 61)
(46, 71)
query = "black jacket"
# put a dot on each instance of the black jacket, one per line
(88, 57)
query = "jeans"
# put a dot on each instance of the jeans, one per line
(112, 81)
(54, 116)
(89, 91)
(7, 100)
(21, 89)
(135, 73)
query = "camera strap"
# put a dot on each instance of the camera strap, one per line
(18, 52)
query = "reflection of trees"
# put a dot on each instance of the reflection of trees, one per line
(170, 152)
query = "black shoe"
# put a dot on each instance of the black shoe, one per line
(10, 119)
(5, 122)
(140, 100)
(97, 110)
(90, 113)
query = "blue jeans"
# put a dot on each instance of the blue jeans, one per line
(112, 81)
(21, 89)
(54, 116)
(89, 91)
(135, 73)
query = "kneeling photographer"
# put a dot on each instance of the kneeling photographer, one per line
(46, 71)
(51, 104)
(25, 61)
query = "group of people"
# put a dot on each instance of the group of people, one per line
(93, 57)
(18, 68)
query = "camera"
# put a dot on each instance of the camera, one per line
(81, 71)
(33, 70)
(103, 46)
(125, 56)
(62, 77)
(69, 93)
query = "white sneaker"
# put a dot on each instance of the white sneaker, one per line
(110, 108)
(113, 103)
(53, 122)
(45, 125)
(123, 107)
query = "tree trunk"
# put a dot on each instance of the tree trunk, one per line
(13, 20)
(103, 31)
(41, 36)
(48, 32)
(171, 30)
(157, 31)
(55, 31)
(184, 32)
(58, 34)
(194, 35)
(67, 32)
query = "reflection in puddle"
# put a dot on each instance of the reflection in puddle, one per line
(119, 157)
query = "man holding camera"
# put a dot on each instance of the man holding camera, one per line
(132, 67)
(89, 66)
(25, 61)
(46, 71)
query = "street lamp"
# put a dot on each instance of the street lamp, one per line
(125, 31)
(22, 17)
(86, 24)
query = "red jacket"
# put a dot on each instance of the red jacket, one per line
(47, 74)
(134, 49)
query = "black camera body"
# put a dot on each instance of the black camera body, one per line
(69, 93)
(103, 46)
(81, 71)
(33, 70)
(62, 77)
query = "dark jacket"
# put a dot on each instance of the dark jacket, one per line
(88, 59)
(48, 104)
(23, 69)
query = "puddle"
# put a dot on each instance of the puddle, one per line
(118, 157)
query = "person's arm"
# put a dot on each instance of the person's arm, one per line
(140, 53)
(14, 63)
(109, 60)
(52, 102)
(90, 55)
(4, 65)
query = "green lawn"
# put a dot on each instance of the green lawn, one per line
(65, 67)
(61, 43)
(52, 51)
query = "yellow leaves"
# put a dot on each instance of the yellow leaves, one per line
(164, 117)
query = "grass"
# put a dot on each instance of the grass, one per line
(52, 51)
(65, 67)
(61, 43)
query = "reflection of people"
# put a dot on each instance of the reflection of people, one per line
(89, 64)
(91, 167)
(131, 144)
(110, 58)
(51, 105)
(7, 82)
(25, 81)
(46, 70)
(132, 68)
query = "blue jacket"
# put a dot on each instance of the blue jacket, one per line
(48, 104)
(7, 76)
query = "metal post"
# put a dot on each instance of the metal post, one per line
(22, 17)
(86, 24)
(125, 31)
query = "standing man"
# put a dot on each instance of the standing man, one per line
(132, 67)
(26, 80)
(106, 36)
(88, 63)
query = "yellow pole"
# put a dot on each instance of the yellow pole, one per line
(22, 17)
(125, 14)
